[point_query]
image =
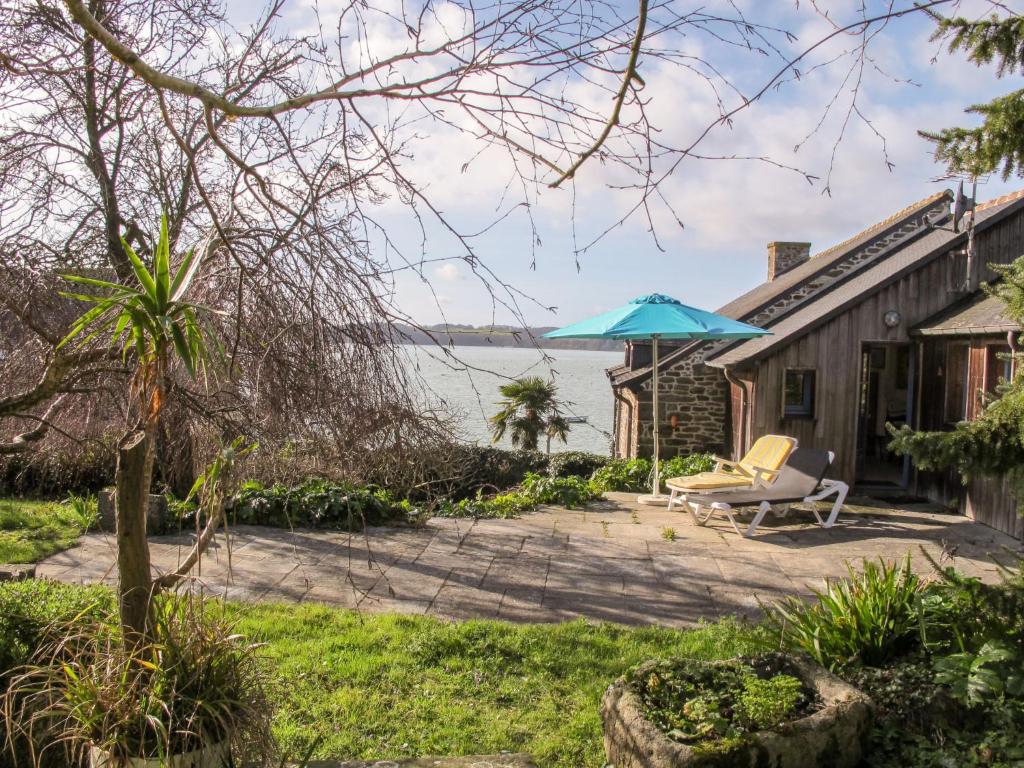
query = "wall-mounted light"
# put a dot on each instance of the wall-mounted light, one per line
(673, 421)
(891, 318)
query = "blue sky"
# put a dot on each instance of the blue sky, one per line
(730, 209)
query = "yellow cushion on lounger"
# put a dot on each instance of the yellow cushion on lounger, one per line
(706, 481)
(768, 452)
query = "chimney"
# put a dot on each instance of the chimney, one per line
(782, 257)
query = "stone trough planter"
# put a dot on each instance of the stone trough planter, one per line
(215, 756)
(157, 516)
(831, 737)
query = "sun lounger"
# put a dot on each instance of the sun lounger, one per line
(758, 469)
(800, 480)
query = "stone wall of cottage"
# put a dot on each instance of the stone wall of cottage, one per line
(698, 395)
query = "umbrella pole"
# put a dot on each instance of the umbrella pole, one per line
(656, 489)
(655, 497)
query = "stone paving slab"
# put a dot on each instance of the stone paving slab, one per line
(609, 562)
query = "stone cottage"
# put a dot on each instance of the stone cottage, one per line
(887, 326)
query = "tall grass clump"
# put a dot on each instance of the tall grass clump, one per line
(869, 618)
(195, 685)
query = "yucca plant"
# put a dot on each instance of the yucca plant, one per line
(152, 322)
(869, 617)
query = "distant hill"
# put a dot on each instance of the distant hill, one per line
(500, 336)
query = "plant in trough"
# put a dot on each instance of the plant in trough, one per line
(695, 701)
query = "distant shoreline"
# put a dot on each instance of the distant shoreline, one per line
(500, 336)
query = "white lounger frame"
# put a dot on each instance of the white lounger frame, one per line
(826, 489)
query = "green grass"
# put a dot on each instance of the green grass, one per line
(377, 687)
(32, 530)
(383, 687)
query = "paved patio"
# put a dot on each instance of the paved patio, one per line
(610, 562)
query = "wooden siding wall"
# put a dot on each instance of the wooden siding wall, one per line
(988, 500)
(834, 349)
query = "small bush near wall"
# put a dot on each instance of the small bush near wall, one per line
(569, 492)
(579, 463)
(313, 504)
(463, 470)
(635, 474)
(623, 475)
(56, 473)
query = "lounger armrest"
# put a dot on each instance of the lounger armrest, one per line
(763, 475)
(721, 464)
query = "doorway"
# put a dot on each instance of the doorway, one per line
(886, 396)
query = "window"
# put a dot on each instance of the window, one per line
(997, 366)
(798, 393)
(956, 383)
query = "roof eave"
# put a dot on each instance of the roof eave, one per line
(978, 330)
(768, 350)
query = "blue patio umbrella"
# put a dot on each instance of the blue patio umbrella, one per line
(655, 317)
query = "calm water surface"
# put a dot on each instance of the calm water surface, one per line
(468, 387)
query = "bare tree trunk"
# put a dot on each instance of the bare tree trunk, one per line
(134, 470)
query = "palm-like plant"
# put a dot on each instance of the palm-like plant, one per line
(530, 409)
(152, 321)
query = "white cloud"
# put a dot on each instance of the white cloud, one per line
(730, 208)
(447, 272)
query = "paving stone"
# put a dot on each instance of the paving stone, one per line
(460, 602)
(556, 564)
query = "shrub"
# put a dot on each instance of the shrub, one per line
(623, 475)
(197, 684)
(634, 475)
(683, 466)
(57, 470)
(868, 618)
(502, 506)
(964, 613)
(32, 611)
(86, 508)
(466, 469)
(313, 504)
(575, 463)
(568, 492)
(564, 491)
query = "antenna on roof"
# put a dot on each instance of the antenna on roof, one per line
(960, 205)
(969, 275)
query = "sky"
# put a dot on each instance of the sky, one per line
(729, 209)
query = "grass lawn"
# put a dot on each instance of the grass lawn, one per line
(379, 687)
(32, 530)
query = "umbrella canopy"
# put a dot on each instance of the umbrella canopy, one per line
(655, 317)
